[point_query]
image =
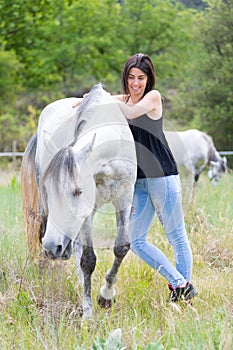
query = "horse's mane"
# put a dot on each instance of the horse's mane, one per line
(212, 152)
(64, 160)
(91, 99)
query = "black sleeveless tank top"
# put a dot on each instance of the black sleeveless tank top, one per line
(154, 157)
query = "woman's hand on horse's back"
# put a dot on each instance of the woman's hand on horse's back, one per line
(78, 102)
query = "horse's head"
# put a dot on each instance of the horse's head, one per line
(217, 169)
(68, 191)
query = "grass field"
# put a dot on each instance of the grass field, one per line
(40, 300)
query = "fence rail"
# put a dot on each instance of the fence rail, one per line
(11, 154)
(226, 153)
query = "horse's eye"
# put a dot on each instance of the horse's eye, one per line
(77, 192)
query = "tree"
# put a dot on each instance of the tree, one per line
(216, 99)
(198, 4)
(64, 45)
(9, 76)
(206, 99)
(160, 29)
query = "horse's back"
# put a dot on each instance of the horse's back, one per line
(177, 145)
(197, 145)
(188, 145)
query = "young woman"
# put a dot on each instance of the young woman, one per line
(158, 188)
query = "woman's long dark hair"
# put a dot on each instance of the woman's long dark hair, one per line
(142, 62)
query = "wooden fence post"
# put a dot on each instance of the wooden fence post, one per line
(14, 146)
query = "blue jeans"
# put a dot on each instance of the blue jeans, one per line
(161, 196)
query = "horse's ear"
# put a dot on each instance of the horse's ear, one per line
(85, 151)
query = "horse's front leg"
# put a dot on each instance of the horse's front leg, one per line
(78, 250)
(121, 248)
(87, 264)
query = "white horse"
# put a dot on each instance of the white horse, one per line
(83, 158)
(195, 150)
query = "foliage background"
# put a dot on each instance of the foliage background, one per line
(50, 49)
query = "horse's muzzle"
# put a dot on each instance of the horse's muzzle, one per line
(58, 251)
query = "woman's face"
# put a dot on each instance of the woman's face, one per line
(137, 81)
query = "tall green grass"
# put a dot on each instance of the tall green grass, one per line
(40, 300)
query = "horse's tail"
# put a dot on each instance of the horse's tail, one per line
(29, 187)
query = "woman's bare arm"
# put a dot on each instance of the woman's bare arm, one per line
(150, 104)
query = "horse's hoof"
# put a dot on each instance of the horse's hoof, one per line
(105, 303)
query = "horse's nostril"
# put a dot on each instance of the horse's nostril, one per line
(59, 250)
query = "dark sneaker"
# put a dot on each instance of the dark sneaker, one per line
(182, 293)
